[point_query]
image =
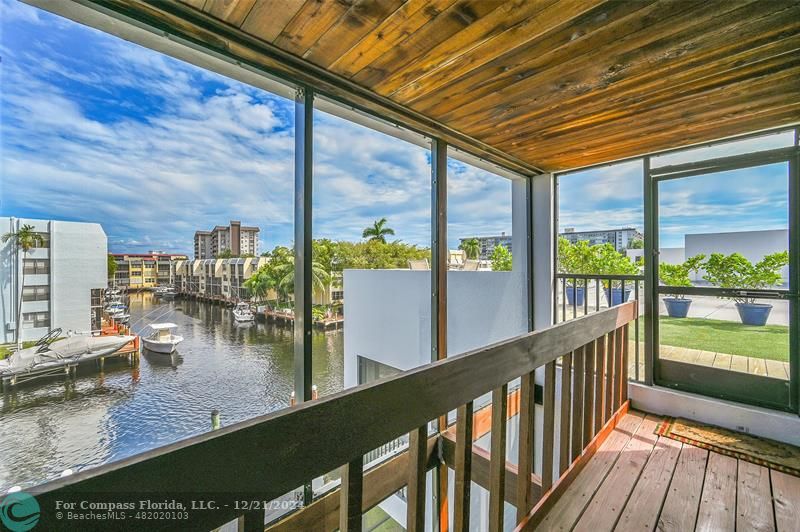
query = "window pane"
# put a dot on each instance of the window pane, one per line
(737, 147)
(108, 147)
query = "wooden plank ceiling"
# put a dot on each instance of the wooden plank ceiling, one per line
(554, 83)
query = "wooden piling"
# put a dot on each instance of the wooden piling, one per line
(215, 423)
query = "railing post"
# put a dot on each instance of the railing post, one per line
(527, 408)
(548, 429)
(463, 467)
(415, 503)
(564, 425)
(497, 465)
(350, 497)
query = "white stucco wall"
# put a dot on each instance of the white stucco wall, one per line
(752, 244)
(388, 313)
(78, 264)
(77, 258)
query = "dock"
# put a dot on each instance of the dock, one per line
(327, 324)
(69, 368)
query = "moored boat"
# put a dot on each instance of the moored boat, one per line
(162, 339)
(243, 313)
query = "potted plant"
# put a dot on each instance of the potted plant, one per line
(678, 275)
(578, 259)
(735, 271)
(609, 261)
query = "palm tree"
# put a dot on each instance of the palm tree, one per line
(285, 273)
(471, 247)
(25, 239)
(378, 231)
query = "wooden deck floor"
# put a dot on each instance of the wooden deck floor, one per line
(640, 481)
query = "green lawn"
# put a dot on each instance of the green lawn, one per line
(768, 342)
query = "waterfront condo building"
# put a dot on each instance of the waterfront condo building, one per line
(137, 271)
(58, 284)
(239, 239)
(620, 238)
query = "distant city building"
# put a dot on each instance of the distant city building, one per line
(488, 243)
(238, 238)
(137, 271)
(619, 238)
(64, 279)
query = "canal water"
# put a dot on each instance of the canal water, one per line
(241, 370)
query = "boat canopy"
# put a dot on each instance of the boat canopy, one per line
(162, 326)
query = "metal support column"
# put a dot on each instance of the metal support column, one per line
(794, 275)
(439, 256)
(303, 169)
(650, 272)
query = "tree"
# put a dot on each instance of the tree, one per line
(225, 254)
(609, 261)
(320, 279)
(112, 266)
(636, 243)
(735, 271)
(501, 259)
(678, 274)
(378, 231)
(25, 239)
(471, 247)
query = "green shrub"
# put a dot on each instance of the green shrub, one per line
(678, 274)
(736, 271)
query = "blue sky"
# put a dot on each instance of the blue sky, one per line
(94, 128)
(98, 129)
(742, 200)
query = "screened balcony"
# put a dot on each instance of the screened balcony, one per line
(503, 400)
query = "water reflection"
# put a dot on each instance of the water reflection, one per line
(243, 371)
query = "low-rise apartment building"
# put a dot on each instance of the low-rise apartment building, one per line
(237, 238)
(63, 279)
(141, 271)
(224, 279)
(488, 243)
(620, 238)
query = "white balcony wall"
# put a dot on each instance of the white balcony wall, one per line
(388, 314)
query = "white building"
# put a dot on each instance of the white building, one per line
(63, 279)
(754, 245)
(619, 238)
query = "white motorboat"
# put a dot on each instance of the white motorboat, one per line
(51, 354)
(163, 339)
(121, 317)
(167, 292)
(243, 313)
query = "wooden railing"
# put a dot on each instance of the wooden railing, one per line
(263, 458)
(576, 295)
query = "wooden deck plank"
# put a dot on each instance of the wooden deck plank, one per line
(610, 498)
(705, 358)
(754, 499)
(571, 504)
(722, 361)
(756, 366)
(739, 363)
(679, 512)
(786, 493)
(644, 505)
(776, 369)
(718, 503)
